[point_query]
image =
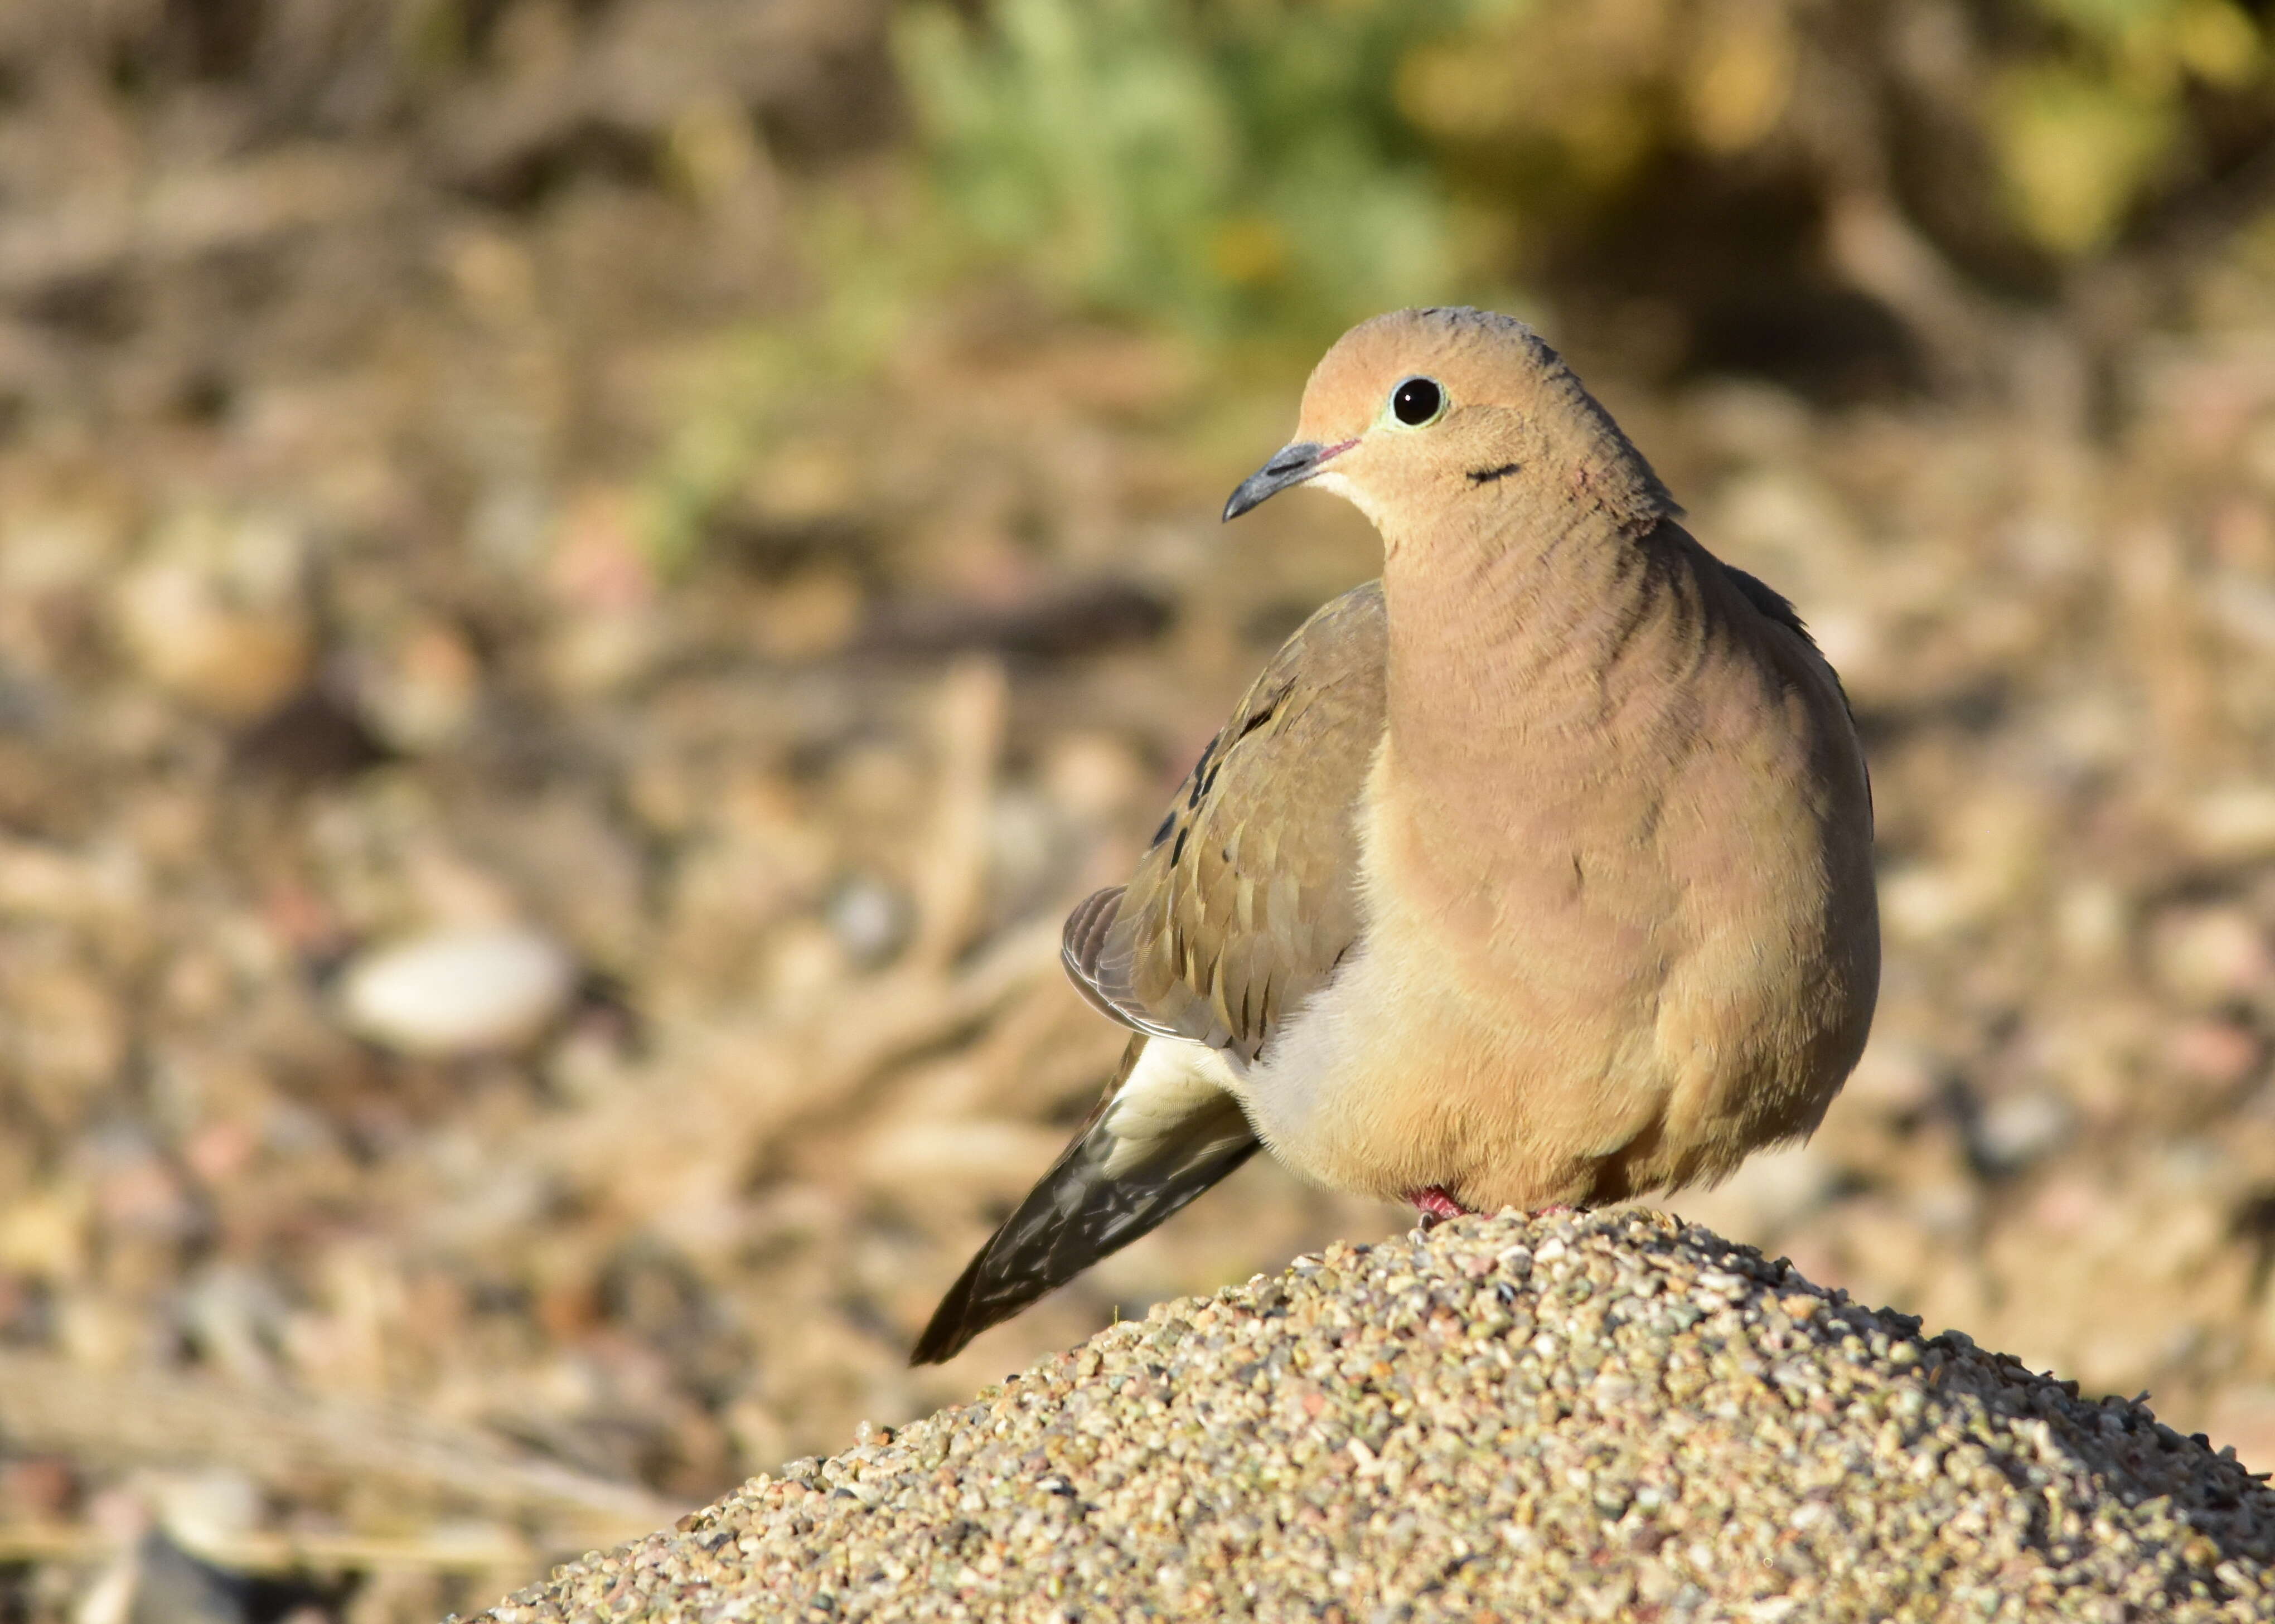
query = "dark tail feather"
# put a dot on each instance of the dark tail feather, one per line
(1076, 1215)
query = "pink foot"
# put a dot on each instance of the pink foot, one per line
(1436, 1204)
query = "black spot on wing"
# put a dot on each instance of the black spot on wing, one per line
(1262, 715)
(1201, 777)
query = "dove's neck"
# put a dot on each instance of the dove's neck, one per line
(1536, 686)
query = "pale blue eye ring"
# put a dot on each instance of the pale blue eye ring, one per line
(1417, 401)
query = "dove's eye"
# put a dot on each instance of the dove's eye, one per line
(1417, 400)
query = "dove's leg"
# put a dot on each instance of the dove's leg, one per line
(1436, 1204)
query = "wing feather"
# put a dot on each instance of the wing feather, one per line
(1253, 879)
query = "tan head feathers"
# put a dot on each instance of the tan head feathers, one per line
(1428, 406)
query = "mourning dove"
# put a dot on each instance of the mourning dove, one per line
(1536, 873)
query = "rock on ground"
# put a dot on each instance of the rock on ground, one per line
(1608, 1417)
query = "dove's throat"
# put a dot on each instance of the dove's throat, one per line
(1543, 697)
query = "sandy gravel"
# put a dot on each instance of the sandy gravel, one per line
(1595, 1417)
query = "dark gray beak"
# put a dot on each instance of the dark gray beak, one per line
(1290, 465)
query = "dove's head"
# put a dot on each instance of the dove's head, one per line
(1419, 416)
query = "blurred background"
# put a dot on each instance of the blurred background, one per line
(583, 581)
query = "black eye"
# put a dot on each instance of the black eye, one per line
(1417, 401)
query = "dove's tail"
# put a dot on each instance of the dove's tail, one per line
(1164, 1132)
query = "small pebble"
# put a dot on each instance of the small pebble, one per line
(461, 989)
(2018, 1129)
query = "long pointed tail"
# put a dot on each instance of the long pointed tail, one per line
(1145, 1152)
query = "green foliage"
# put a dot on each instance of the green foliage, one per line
(2074, 150)
(2087, 126)
(1296, 162)
(1220, 166)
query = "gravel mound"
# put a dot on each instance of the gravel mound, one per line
(1605, 1416)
